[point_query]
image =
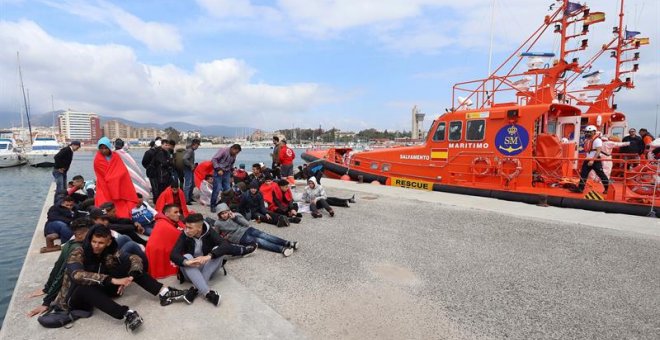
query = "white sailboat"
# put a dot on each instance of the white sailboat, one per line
(9, 151)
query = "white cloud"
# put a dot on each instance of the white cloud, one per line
(110, 80)
(156, 36)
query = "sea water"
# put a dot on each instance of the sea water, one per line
(24, 190)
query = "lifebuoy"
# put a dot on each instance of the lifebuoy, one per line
(477, 160)
(515, 173)
(643, 179)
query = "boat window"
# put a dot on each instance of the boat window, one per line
(475, 130)
(455, 130)
(439, 135)
(617, 131)
(568, 131)
(386, 167)
(356, 163)
(3, 146)
(374, 166)
(552, 127)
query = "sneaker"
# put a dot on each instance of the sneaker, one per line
(316, 215)
(295, 219)
(190, 295)
(213, 297)
(294, 245)
(331, 212)
(249, 249)
(352, 199)
(298, 215)
(132, 320)
(172, 295)
(283, 222)
(287, 252)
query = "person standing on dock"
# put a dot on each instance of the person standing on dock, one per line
(276, 157)
(188, 170)
(62, 163)
(223, 163)
(287, 155)
(113, 182)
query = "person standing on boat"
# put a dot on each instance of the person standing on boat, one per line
(223, 163)
(635, 148)
(62, 163)
(592, 161)
(188, 169)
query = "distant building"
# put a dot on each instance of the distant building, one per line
(189, 135)
(82, 126)
(114, 129)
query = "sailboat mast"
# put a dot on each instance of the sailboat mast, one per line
(25, 99)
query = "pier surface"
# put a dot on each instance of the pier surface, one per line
(404, 264)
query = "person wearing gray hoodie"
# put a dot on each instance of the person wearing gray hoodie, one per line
(236, 229)
(315, 195)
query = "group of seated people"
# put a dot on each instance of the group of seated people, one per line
(102, 253)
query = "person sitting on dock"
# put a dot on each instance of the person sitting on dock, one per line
(61, 166)
(283, 201)
(113, 182)
(124, 226)
(256, 175)
(83, 197)
(240, 175)
(172, 195)
(199, 253)
(98, 271)
(253, 207)
(166, 232)
(126, 244)
(205, 189)
(79, 226)
(144, 214)
(236, 229)
(58, 224)
(315, 195)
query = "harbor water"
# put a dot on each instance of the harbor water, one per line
(24, 190)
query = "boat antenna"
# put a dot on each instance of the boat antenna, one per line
(25, 97)
(492, 30)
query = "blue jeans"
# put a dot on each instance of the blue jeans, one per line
(220, 183)
(60, 185)
(189, 183)
(60, 228)
(128, 247)
(264, 240)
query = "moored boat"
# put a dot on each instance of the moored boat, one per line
(9, 154)
(518, 135)
(42, 152)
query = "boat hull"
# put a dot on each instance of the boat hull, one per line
(335, 170)
(11, 160)
(40, 160)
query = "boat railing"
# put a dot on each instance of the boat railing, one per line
(482, 93)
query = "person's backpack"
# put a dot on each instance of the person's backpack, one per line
(56, 318)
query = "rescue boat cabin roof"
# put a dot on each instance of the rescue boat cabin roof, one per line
(500, 112)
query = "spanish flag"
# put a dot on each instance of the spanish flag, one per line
(439, 154)
(642, 41)
(594, 17)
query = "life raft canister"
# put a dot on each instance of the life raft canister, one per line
(479, 169)
(508, 176)
(642, 182)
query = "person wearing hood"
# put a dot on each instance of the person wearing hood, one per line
(165, 234)
(172, 195)
(236, 229)
(315, 195)
(199, 252)
(97, 272)
(252, 206)
(113, 182)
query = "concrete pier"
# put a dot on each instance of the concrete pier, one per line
(404, 264)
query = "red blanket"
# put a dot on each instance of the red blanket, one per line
(113, 184)
(203, 169)
(162, 240)
(167, 197)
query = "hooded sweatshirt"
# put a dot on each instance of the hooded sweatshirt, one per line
(311, 194)
(209, 242)
(232, 229)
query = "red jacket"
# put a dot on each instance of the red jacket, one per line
(267, 192)
(281, 200)
(162, 240)
(287, 155)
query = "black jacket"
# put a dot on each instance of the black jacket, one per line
(60, 213)
(63, 158)
(163, 165)
(121, 225)
(636, 145)
(212, 243)
(252, 203)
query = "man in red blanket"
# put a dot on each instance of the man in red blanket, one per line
(113, 182)
(163, 237)
(172, 195)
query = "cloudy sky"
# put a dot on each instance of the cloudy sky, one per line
(274, 64)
